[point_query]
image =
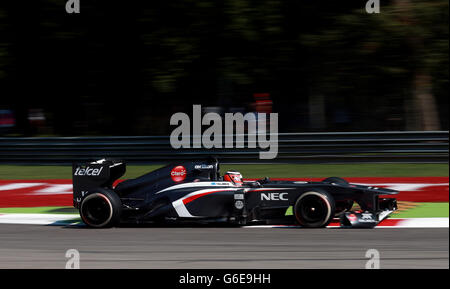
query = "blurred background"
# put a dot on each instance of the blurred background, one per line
(359, 96)
(123, 68)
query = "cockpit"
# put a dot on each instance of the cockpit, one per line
(234, 177)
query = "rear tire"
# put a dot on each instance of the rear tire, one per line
(101, 209)
(314, 209)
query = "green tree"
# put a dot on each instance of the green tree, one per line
(403, 53)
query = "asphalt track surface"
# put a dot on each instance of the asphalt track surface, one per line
(33, 246)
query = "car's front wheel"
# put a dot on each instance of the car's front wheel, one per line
(314, 209)
(101, 209)
(335, 180)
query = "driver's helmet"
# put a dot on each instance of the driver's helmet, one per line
(234, 177)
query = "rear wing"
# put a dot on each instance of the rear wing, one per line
(99, 174)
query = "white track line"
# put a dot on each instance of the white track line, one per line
(16, 186)
(404, 223)
(35, 219)
(424, 223)
(58, 219)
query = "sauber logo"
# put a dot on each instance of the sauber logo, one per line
(178, 174)
(87, 171)
(274, 197)
(367, 218)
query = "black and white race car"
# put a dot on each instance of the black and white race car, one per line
(194, 191)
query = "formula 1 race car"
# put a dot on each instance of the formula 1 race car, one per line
(194, 191)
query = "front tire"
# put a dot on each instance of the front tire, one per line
(341, 206)
(314, 209)
(101, 209)
(335, 180)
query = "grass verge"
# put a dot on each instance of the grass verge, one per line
(252, 171)
(39, 210)
(424, 210)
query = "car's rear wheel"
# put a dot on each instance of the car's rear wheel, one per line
(101, 209)
(314, 209)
